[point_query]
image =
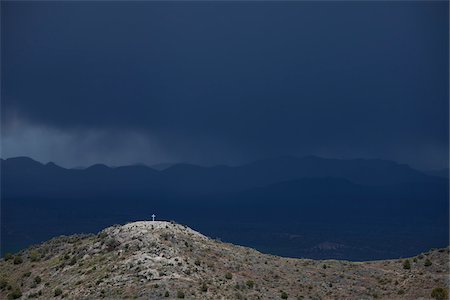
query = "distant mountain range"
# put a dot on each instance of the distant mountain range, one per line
(26, 177)
(42, 200)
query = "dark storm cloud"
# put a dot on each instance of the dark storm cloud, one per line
(228, 82)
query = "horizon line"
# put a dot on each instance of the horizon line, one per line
(171, 164)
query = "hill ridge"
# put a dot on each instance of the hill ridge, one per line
(160, 259)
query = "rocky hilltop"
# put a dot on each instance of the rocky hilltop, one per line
(155, 260)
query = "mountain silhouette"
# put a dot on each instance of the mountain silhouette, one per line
(26, 177)
(389, 206)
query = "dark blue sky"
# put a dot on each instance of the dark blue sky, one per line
(225, 82)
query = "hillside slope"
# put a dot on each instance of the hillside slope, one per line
(153, 260)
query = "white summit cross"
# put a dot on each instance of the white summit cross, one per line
(153, 217)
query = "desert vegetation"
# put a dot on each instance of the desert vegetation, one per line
(155, 260)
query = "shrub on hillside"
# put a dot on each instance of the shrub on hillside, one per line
(18, 260)
(73, 261)
(8, 256)
(3, 283)
(250, 284)
(15, 294)
(111, 244)
(34, 255)
(58, 292)
(439, 293)
(180, 295)
(407, 264)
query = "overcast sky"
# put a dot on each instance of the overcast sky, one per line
(224, 83)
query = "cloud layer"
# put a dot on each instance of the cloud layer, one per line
(224, 83)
